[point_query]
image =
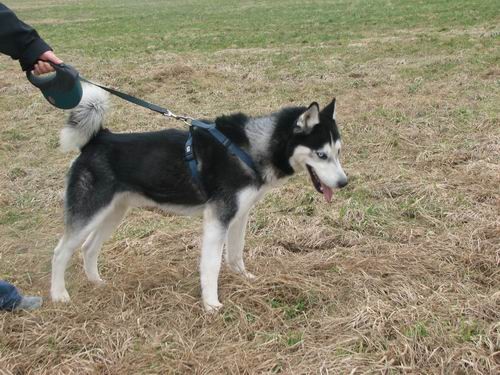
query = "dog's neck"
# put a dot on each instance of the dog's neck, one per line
(264, 148)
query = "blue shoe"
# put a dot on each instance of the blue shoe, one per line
(29, 303)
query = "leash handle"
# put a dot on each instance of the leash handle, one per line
(42, 81)
(62, 89)
(53, 64)
(64, 77)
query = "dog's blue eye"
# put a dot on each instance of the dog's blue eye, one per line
(321, 155)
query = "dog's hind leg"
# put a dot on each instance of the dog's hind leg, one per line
(95, 240)
(235, 244)
(77, 229)
(62, 254)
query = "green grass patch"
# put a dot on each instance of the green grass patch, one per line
(290, 310)
(15, 135)
(10, 217)
(128, 27)
(417, 331)
(294, 338)
(469, 331)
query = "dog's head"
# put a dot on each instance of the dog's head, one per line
(316, 147)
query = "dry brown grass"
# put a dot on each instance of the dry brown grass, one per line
(400, 274)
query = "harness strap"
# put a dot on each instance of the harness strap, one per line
(190, 157)
(227, 143)
(192, 163)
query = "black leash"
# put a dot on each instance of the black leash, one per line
(134, 100)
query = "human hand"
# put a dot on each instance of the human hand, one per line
(42, 67)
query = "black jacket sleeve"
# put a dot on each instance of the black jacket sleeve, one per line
(19, 40)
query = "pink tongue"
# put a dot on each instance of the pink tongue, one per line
(327, 192)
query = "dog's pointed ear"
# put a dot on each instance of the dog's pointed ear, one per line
(307, 120)
(330, 110)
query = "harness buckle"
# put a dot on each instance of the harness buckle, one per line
(188, 154)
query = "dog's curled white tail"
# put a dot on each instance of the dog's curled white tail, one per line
(85, 120)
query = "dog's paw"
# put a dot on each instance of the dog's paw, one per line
(212, 308)
(97, 281)
(248, 275)
(62, 296)
(242, 271)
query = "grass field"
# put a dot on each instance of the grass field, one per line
(400, 274)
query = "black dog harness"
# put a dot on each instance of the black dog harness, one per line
(234, 150)
(189, 155)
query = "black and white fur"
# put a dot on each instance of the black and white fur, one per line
(115, 172)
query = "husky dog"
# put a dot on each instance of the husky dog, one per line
(117, 171)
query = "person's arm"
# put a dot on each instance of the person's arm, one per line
(21, 42)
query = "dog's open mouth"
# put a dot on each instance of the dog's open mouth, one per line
(319, 186)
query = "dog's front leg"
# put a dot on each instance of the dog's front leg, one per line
(214, 234)
(235, 244)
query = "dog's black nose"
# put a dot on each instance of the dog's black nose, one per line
(342, 183)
